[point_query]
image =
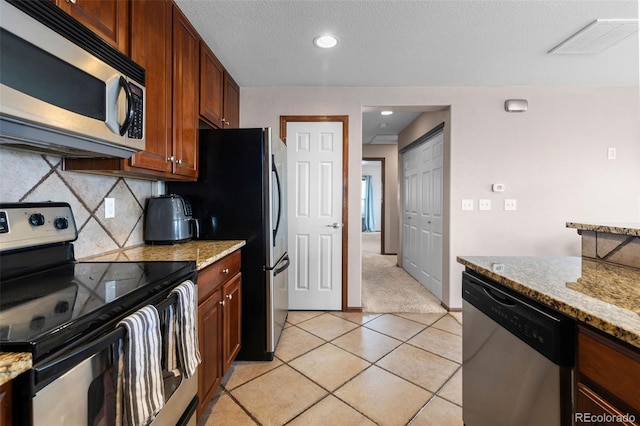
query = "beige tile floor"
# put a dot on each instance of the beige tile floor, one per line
(335, 368)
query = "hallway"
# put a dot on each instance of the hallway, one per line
(389, 288)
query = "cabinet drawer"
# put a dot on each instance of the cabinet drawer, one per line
(610, 365)
(218, 272)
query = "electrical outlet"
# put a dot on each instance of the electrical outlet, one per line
(510, 204)
(109, 208)
(467, 204)
(484, 205)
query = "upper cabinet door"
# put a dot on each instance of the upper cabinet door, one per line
(211, 89)
(231, 117)
(109, 19)
(151, 48)
(186, 55)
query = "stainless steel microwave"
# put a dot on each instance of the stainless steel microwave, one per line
(64, 90)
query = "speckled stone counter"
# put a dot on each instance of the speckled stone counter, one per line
(204, 253)
(603, 295)
(611, 228)
(12, 364)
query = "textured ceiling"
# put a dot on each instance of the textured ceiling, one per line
(411, 43)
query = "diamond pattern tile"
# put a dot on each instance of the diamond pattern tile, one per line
(327, 326)
(367, 344)
(360, 378)
(329, 366)
(38, 178)
(370, 392)
(395, 326)
(278, 396)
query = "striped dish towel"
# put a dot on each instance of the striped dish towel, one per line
(141, 373)
(185, 330)
(169, 341)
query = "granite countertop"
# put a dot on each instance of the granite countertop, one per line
(12, 364)
(204, 253)
(603, 295)
(632, 229)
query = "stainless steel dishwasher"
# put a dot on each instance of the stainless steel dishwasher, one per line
(517, 358)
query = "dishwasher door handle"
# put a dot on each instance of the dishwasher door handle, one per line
(499, 298)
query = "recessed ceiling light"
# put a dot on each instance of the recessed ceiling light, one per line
(325, 41)
(386, 112)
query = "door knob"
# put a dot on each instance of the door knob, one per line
(335, 225)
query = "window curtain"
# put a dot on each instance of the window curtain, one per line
(368, 221)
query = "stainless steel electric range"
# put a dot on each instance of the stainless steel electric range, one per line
(65, 313)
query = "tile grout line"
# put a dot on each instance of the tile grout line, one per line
(374, 363)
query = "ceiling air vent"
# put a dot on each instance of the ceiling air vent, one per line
(597, 37)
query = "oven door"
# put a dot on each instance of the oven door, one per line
(79, 387)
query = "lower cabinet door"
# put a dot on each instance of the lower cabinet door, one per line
(210, 340)
(232, 322)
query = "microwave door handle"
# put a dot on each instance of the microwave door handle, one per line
(129, 118)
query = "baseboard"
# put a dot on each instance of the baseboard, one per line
(353, 309)
(444, 305)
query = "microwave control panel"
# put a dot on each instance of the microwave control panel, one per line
(136, 129)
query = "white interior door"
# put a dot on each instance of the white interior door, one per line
(422, 213)
(314, 163)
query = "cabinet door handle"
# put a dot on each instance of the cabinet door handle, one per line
(225, 271)
(178, 161)
(222, 302)
(71, 1)
(172, 158)
(229, 296)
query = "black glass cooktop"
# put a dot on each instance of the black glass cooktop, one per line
(66, 305)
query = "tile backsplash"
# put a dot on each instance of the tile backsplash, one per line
(29, 177)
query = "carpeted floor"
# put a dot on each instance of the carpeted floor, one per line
(387, 288)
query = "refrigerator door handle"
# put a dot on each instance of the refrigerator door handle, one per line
(282, 268)
(275, 170)
(277, 269)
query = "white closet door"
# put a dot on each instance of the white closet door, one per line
(422, 213)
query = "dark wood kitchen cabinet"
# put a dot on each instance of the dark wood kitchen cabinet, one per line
(608, 374)
(5, 404)
(219, 93)
(219, 322)
(186, 57)
(109, 19)
(231, 117)
(211, 87)
(166, 45)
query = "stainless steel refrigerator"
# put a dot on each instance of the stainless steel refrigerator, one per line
(241, 194)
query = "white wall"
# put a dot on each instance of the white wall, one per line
(552, 159)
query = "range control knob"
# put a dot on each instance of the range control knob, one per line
(61, 223)
(36, 219)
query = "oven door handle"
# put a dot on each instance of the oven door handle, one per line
(53, 367)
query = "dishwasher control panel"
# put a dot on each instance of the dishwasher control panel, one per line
(547, 331)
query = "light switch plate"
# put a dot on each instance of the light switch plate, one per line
(467, 204)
